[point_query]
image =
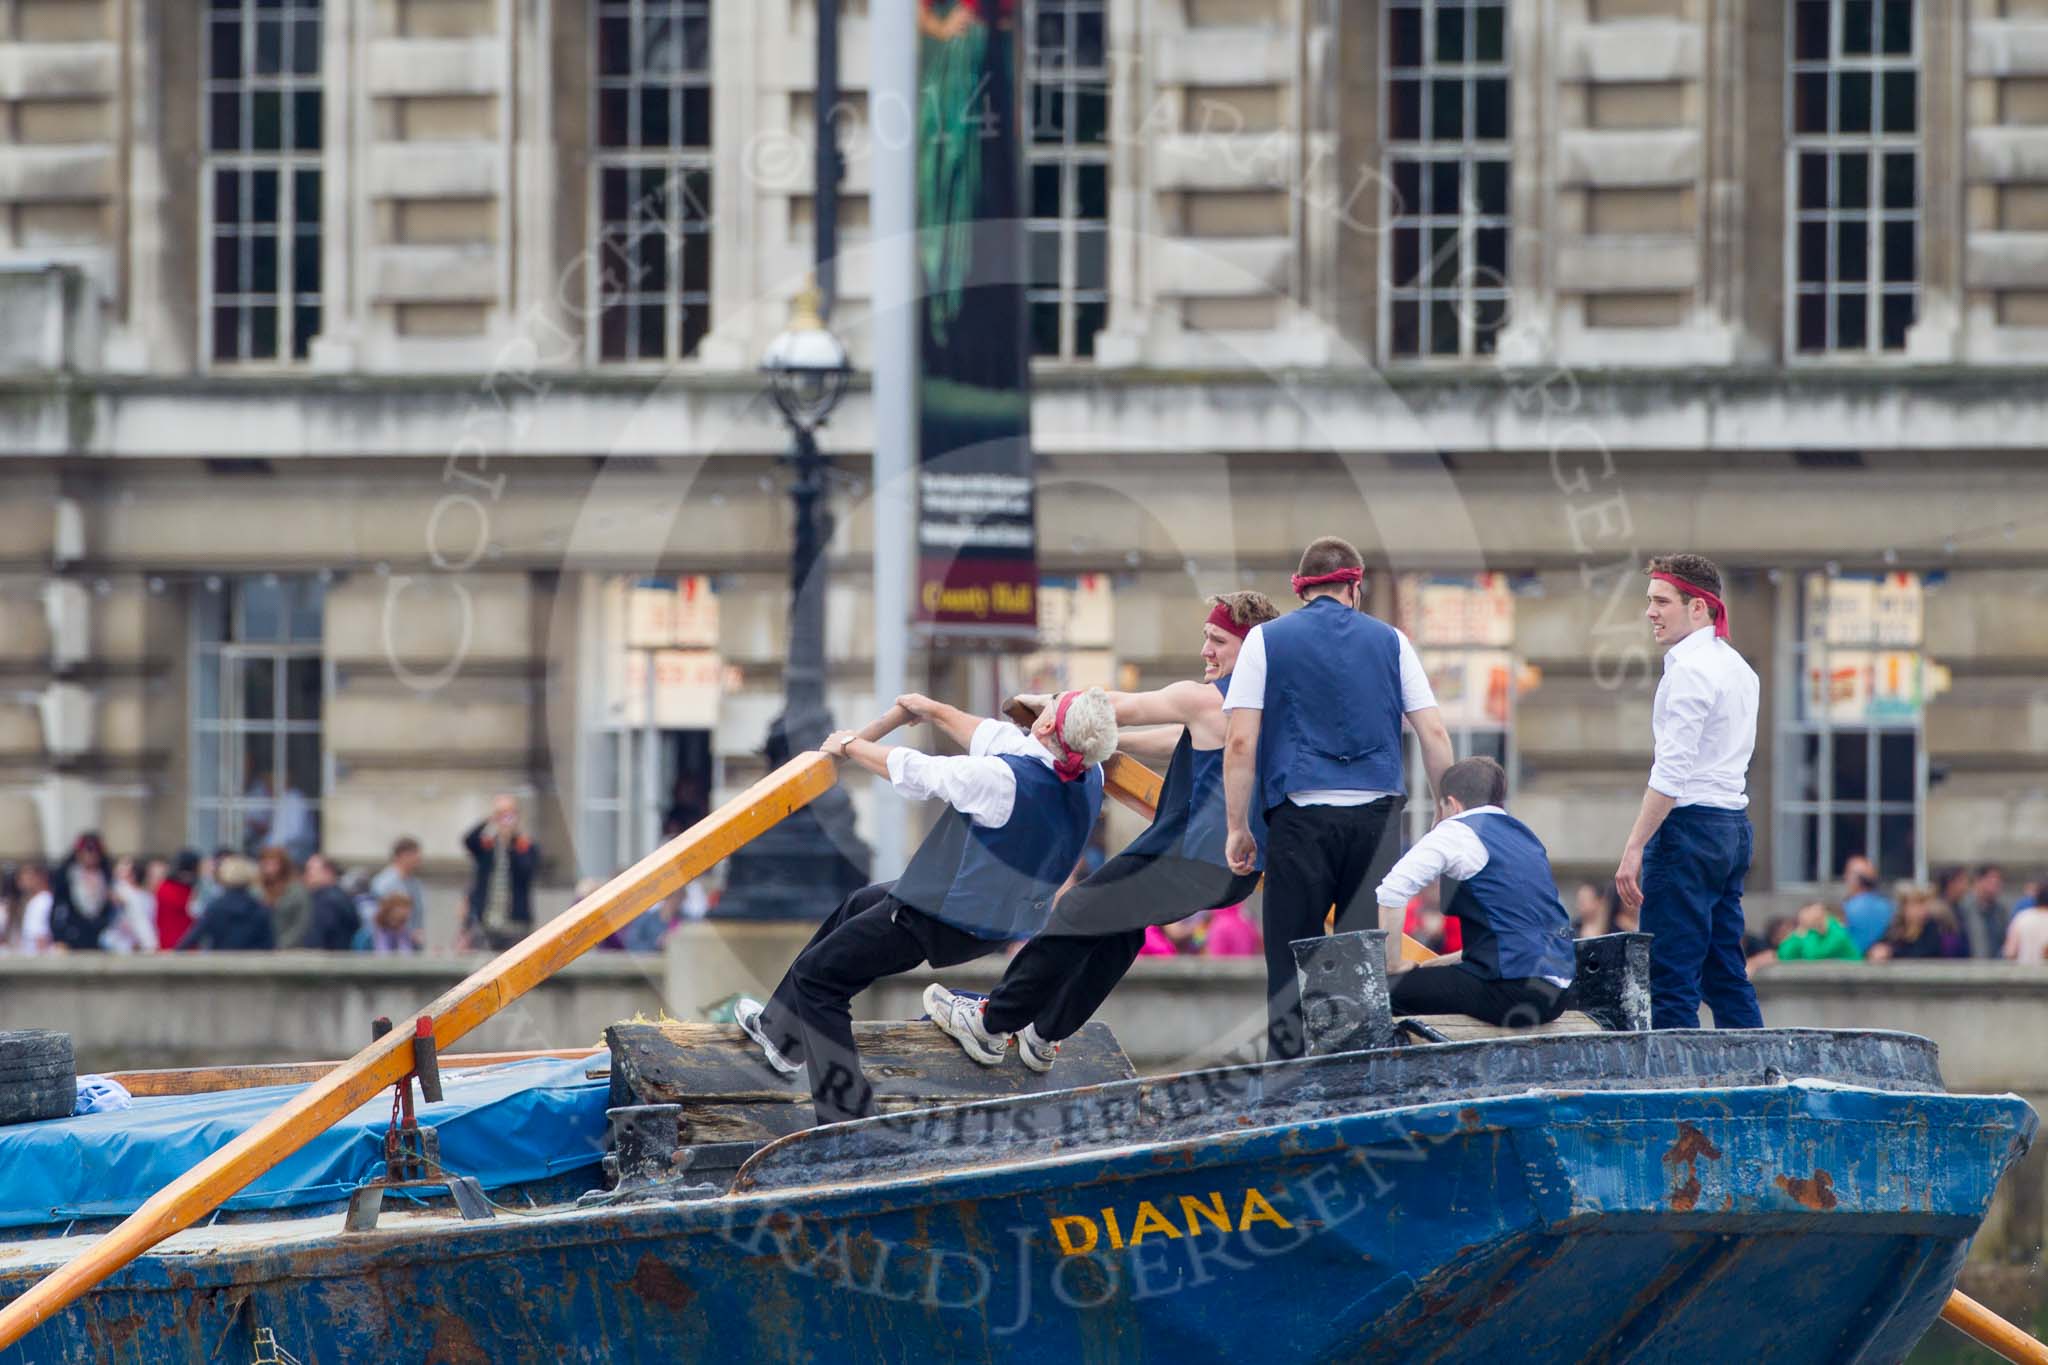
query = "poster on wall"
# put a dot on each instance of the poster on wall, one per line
(977, 584)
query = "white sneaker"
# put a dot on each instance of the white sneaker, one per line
(1035, 1052)
(746, 1012)
(960, 1019)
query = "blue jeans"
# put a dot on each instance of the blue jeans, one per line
(1692, 905)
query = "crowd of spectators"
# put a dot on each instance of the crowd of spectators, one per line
(1961, 914)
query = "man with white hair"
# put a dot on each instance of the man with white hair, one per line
(1022, 805)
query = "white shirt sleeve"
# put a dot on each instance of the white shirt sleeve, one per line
(1451, 849)
(1416, 693)
(1688, 697)
(35, 921)
(978, 783)
(1248, 677)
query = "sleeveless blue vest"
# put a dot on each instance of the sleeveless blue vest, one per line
(999, 883)
(1333, 704)
(1515, 926)
(1191, 821)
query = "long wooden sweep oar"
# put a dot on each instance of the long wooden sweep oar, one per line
(383, 1063)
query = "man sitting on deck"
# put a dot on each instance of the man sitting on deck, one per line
(1518, 959)
(1174, 869)
(1022, 806)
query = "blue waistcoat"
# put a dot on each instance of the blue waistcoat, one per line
(1191, 821)
(1333, 704)
(999, 883)
(1515, 926)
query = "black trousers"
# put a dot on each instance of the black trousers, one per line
(1456, 989)
(1317, 857)
(809, 1018)
(1058, 981)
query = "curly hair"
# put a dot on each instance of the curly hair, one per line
(1695, 569)
(1090, 728)
(1246, 608)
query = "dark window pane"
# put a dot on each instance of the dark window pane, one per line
(1899, 316)
(1810, 102)
(1812, 332)
(1444, 257)
(302, 690)
(263, 196)
(1851, 770)
(1443, 327)
(306, 120)
(1450, 34)
(696, 43)
(302, 764)
(1493, 187)
(1492, 251)
(224, 121)
(1045, 329)
(263, 265)
(1852, 250)
(1407, 189)
(269, 47)
(263, 333)
(1488, 317)
(1852, 326)
(1851, 831)
(614, 45)
(227, 196)
(1896, 846)
(1091, 260)
(1810, 37)
(1901, 101)
(266, 120)
(1853, 97)
(225, 51)
(1092, 181)
(1089, 318)
(305, 602)
(1897, 777)
(1404, 110)
(697, 262)
(1404, 331)
(1447, 109)
(1852, 181)
(306, 197)
(654, 121)
(696, 321)
(1045, 190)
(612, 333)
(227, 324)
(1813, 180)
(259, 675)
(1813, 253)
(1404, 38)
(1407, 254)
(696, 116)
(1898, 253)
(1898, 27)
(613, 194)
(1052, 37)
(1901, 188)
(1091, 115)
(1045, 259)
(1443, 188)
(1049, 114)
(696, 202)
(649, 320)
(1088, 43)
(305, 326)
(227, 265)
(1807, 774)
(1806, 848)
(611, 117)
(306, 47)
(1858, 28)
(1490, 109)
(1490, 41)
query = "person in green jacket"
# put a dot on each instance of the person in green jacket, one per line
(1820, 937)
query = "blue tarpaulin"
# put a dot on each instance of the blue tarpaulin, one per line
(505, 1124)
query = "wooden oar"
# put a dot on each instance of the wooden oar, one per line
(209, 1080)
(383, 1063)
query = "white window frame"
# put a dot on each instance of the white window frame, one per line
(1470, 291)
(1874, 144)
(1045, 73)
(287, 163)
(678, 168)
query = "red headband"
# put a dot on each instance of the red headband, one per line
(1219, 617)
(1717, 610)
(1070, 765)
(1334, 576)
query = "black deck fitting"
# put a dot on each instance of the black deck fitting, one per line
(1344, 1006)
(1613, 981)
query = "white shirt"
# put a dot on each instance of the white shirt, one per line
(35, 923)
(1248, 690)
(977, 783)
(1704, 723)
(1450, 849)
(2026, 938)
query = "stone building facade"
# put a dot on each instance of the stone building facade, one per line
(377, 393)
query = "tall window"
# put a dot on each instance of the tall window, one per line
(258, 683)
(1854, 175)
(262, 180)
(1853, 774)
(1463, 628)
(653, 173)
(1444, 258)
(1068, 67)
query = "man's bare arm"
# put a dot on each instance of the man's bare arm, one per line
(1435, 738)
(1149, 744)
(955, 724)
(1240, 775)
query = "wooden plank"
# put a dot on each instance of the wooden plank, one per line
(486, 991)
(1461, 1028)
(206, 1080)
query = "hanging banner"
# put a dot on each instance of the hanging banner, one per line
(977, 532)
